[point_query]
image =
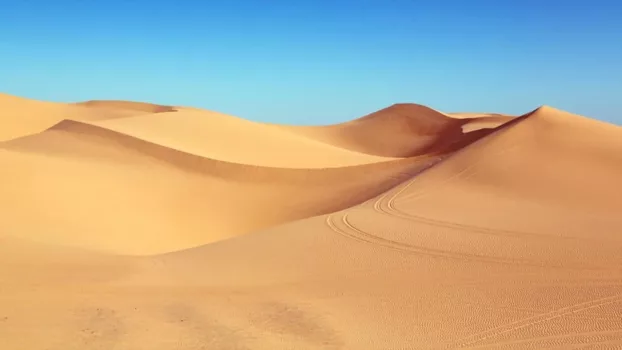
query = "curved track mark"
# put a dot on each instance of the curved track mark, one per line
(385, 204)
(534, 320)
(366, 237)
(558, 337)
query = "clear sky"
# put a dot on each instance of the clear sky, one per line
(318, 61)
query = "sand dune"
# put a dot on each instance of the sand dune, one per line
(127, 106)
(468, 253)
(223, 137)
(509, 239)
(20, 116)
(117, 193)
(401, 130)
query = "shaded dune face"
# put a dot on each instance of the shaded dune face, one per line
(485, 122)
(437, 231)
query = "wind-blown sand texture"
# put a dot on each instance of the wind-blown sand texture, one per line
(136, 226)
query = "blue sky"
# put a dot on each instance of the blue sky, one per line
(318, 61)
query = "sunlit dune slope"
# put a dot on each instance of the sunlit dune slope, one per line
(546, 160)
(93, 187)
(223, 137)
(21, 116)
(401, 130)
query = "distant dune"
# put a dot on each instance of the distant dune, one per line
(401, 130)
(127, 106)
(139, 226)
(227, 138)
(21, 117)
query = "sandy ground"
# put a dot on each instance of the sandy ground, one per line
(136, 226)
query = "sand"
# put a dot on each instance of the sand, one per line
(21, 116)
(138, 226)
(223, 137)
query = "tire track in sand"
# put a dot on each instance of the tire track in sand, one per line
(385, 204)
(595, 334)
(535, 320)
(357, 234)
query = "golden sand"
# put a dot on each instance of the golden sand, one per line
(135, 226)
